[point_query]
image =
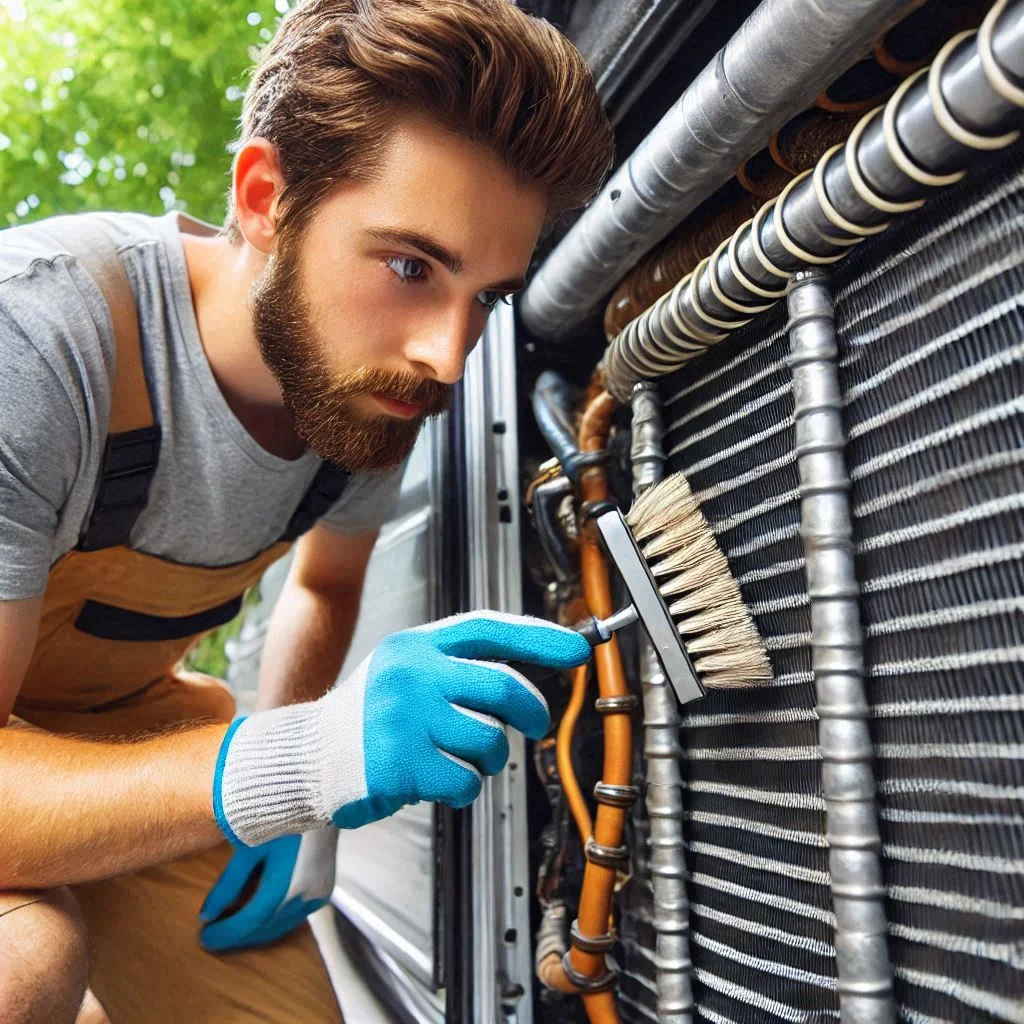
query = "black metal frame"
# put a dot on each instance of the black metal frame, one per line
(454, 922)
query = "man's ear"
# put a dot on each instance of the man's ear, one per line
(257, 182)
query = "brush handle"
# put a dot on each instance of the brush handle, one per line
(594, 631)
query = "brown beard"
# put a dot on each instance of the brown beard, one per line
(321, 400)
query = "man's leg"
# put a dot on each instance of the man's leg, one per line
(44, 957)
(148, 964)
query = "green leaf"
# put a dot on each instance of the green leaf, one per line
(126, 105)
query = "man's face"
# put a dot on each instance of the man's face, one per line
(367, 317)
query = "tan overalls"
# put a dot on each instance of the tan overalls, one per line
(115, 625)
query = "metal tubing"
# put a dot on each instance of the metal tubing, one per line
(552, 408)
(865, 977)
(662, 753)
(646, 453)
(937, 123)
(779, 60)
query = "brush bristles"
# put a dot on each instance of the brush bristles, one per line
(694, 576)
(660, 506)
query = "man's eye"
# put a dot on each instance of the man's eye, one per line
(489, 299)
(406, 269)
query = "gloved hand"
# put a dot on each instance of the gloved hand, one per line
(297, 877)
(420, 719)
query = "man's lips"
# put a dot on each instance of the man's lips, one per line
(405, 410)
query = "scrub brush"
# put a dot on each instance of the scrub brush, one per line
(682, 590)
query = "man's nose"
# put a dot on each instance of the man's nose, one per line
(438, 349)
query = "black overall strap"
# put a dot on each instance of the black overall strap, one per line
(129, 462)
(133, 439)
(327, 487)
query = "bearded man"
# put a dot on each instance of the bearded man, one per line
(179, 405)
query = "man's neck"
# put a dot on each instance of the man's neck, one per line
(220, 276)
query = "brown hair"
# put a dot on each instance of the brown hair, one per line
(331, 82)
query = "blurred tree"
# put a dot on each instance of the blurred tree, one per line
(124, 104)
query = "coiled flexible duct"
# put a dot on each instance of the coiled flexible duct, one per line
(778, 61)
(967, 104)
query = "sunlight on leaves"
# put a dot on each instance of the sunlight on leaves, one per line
(126, 105)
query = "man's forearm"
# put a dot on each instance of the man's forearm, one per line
(75, 810)
(307, 639)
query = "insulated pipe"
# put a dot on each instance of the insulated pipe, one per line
(968, 103)
(552, 408)
(662, 753)
(780, 59)
(864, 973)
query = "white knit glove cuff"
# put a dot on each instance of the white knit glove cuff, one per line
(269, 782)
(288, 770)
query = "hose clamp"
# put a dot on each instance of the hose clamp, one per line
(623, 704)
(590, 943)
(584, 982)
(616, 857)
(616, 796)
(593, 509)
(586, 459)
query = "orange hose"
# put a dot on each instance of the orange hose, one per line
(601, 1008)
(598, 881)
(563, 754)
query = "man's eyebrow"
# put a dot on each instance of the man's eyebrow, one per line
(431, 247)
(514, 284)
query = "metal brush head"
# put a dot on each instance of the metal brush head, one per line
(679, 549)
(622, 549)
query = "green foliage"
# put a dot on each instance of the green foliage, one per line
(208, 655)
(124, 104)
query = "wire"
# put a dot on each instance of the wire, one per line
(563, 753)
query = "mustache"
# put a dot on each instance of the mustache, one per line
(432, 396)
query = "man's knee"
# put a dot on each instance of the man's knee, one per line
(44, 957)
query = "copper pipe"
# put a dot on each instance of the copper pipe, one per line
(563, 753)
(894, 65)
(675, 258)
(595, 908)
(601, 1008)
(778, 156)
(599, 881)
(594, 427)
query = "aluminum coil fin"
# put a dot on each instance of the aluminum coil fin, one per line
(930, 320)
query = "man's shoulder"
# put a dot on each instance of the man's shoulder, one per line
(45, 291)
(25, 246)
(53, 309)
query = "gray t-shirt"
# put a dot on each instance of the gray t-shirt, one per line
(217, 497)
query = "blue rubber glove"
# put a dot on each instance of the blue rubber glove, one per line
(420, 719)
(296, 878)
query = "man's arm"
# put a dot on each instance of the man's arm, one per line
(312, 623)
(74, 810)
(19, 626)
